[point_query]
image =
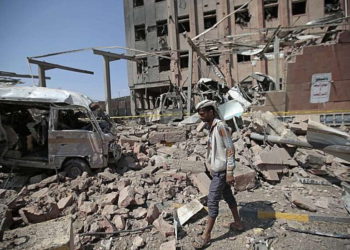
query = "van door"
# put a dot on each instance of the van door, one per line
(73, 133)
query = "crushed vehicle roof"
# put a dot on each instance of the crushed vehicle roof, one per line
(44, 95)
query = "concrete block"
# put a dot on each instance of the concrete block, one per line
(109, 199)
(245, 178)
(153, 213)
(126, 197)
(169, 245)
(164, 227)
(129, 139)
(88, 207)
(40, 193)
(139, 213)
(107, 176)
(109, 210)
(137, 243)
(65, 202)
(34, 214)
(119, 222)
(202, 182)
(187, 166)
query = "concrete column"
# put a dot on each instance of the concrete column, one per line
(258, 21)
(174, 42)
(41, 73)
(284, 12)
(193, 14)
(107, 85)
(225, 30)
(277, 62)
(133, 102)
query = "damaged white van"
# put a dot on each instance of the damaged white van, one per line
(54, 129)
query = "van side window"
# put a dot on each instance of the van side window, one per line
(73, 119)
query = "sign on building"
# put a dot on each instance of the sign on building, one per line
(320, 87)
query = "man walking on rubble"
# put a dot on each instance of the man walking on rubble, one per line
(220, 159)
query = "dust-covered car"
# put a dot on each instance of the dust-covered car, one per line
(54, 129)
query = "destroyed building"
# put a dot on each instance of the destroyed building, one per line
(241, 45)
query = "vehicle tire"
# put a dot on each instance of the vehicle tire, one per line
(76, 167)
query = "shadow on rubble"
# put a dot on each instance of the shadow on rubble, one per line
(249, 215)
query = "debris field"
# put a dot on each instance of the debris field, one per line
(155, 197)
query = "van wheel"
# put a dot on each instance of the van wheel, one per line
(76, 167)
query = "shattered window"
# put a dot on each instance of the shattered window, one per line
(242, 17)
(184, 60)
(243, 58)
(298, 7)
(138, 3)
(209, 19)
(214, 59)
(141, 65)
(164, 64)
(270, 9)
(140, 32)
(184, 24)
(73, 119)
(162, 28)
(270, 1)
(331, 6)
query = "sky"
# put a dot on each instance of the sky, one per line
(37, 27)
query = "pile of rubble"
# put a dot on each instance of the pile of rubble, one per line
(162, 169)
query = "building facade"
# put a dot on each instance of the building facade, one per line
(157, 26)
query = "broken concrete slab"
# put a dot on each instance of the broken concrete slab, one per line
(273, 163)
(109, 210)
(302, 202)
(126, 197)
(245, 178)
(35, 214)
(65, 202)
(277, 125)
(174, 135)
(119, 222)
(188, 166)
(275, 156)
(109, 199)
(53, 234)
(202, 182)
(139, 213)
(40, 193)
(187, 211)
(169, 245)
(153, 213)
(137, 243)
(129, 139)
(166, 151)
(298, 128)
(88, 207)
(107, 176)
(164, 227)
(272, 172)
